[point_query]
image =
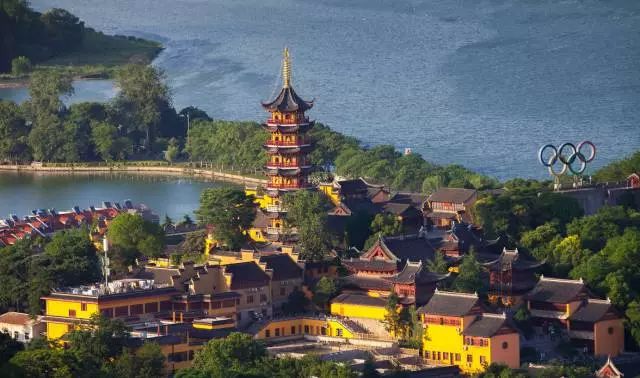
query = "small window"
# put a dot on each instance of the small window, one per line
(339, 332)
(69, 327)
(483, 360)
(267, 333)
(26, 336)
(445, 355)
(469, 358)
(263, 297)
(16, 335)
(441, 321)
(434, 355)
(306, 329)
(505, 345)
(250, 299)
(277, 332)
(293, 330)
(83, 306)
(458, 357)
(72, 313)
(427, 355)
(610, 330)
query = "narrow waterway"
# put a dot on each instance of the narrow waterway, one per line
(175, 196)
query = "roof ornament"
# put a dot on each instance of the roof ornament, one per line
(286, 68)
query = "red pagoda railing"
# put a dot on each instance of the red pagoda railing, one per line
(288, 121)
(287, 165)
(285, 143)
(285, 186)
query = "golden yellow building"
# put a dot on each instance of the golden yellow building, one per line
(301, 326)
(359, 306)
(592, 324)
(458, 332)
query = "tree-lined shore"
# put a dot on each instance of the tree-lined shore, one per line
(57, 40)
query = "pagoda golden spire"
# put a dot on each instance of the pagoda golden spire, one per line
(286, 69)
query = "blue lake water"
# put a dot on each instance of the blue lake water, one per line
(483, 83)
(175, 196)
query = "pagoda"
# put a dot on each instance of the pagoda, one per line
(287, 147)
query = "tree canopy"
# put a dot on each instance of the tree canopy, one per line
(230, 211)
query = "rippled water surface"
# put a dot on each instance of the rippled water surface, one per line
(482, 83)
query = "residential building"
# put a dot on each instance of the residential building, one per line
(287, 276)
(22, 327)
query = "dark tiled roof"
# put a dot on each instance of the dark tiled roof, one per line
(414, 199)
(370, 265)
(412, 248)
(355, 186)
(450, 304)
(592, 311)
(362, 205)
(451, 195)
(365, 283)
(511, 259)
(246, 274)
(358, 299)
(262, 220)
(487, 325)
(556, 290)
(417, 273)
(284, 268)
(288, 101)
(396, 208)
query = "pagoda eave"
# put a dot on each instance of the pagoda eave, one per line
(288, 128)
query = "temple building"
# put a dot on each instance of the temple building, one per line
(565, 305)
(449, 205)
(457, 331)
(510, 277)
(287, 165)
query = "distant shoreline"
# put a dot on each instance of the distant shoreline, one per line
(156, 170)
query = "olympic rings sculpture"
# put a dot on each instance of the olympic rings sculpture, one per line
(567, 154)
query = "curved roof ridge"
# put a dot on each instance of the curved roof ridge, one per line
(579, 281)
(455, 293)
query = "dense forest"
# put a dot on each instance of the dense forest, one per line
(33, 37)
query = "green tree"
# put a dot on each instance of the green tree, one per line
(146, 362)
(8, 348)
(103, 136)
(439, 264)
(469, 279)
(143, 90)
(325, 290)
(71, 258)
(20, 66)
(307, 212)
(231, 356)
(172, 152)
(230, 211)
(130, 235)
(297, 303)
(100, 340)
(13, 132)
(63, 30)
(392, 321)
(383, 225)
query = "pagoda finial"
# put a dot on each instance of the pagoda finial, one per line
(286, 69)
